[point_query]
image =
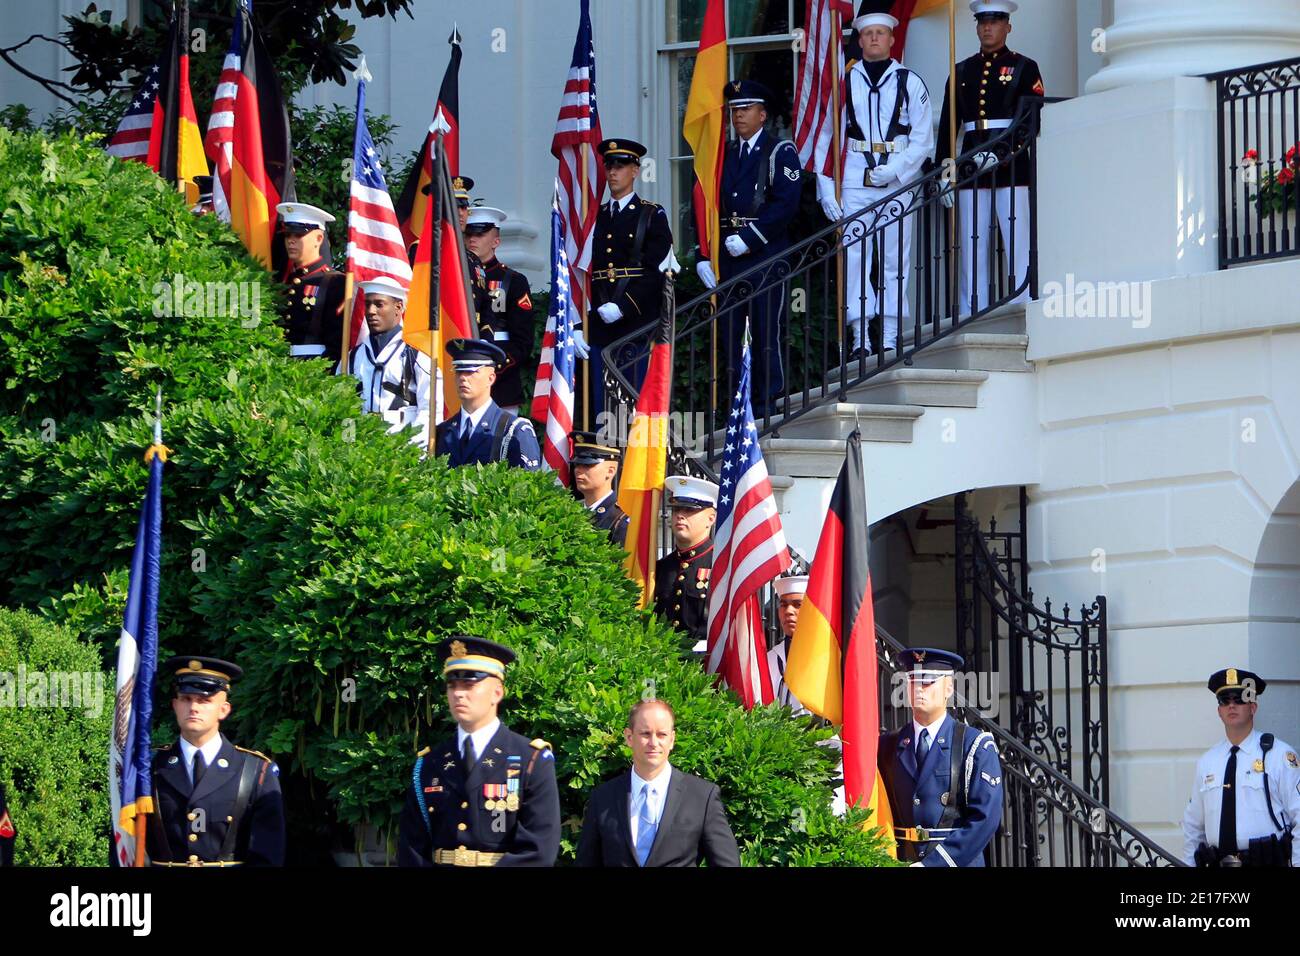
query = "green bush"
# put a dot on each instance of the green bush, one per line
(54, 759)
(312, 548)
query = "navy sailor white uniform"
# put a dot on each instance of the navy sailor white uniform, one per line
(393, 377)
(890, 136)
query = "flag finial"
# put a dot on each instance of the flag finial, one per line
(362, 74)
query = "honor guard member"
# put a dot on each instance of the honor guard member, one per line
(761, 186)
(482, 432)
(394, 377)
(790, 591)
(631, 246)
(314, 316)
(204, 203)
(461, 185)
(506, 317)
(888, 120)
(594, 468)
(8, 832)
(943, 776)
(487, 796)
(990, 86)
(682, 575)
(1246, 791)
(216, 804)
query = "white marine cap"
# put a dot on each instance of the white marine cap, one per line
(791, 584)
(685, 491)
(874, 20)
(384, 285)
(301, 214)
(1008, 7)
(485, 216)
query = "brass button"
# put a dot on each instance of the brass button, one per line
(464, 805)
(981, 113)
(686, 564)
(194, 858)
(297, 281)
(194, 838)
(676, 607)
(190, 816)
(230, 819)
(608, 249)
(431, 808)
(681, 577)
(461, 826)
(609, 235)
(981, 102)
(678, 591)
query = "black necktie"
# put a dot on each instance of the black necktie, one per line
(465, 432)
(469, 755)
(922, 746)
(744, 152)
(200, 766)
(1228, 814)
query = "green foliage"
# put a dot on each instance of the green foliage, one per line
(311, 547)
(53, 759)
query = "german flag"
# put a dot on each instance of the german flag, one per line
(645, 465)
(446, 121)
(832, 663)
(440, 306)
(702, 126)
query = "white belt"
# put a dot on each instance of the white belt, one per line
(866, 146)
(304, 351)
(985, 124)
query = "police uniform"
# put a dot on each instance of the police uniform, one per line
(990, 86)
(944, 782)
(505, 313)
(313, 315)
(779, 653)
(1245, 800)
(393, 377)
(605, 514)
(227, 812)
(631, 244)
(498, 435)
(888, 119)
(500, 807)
(8, 832)
(761, 188)
(682, 575)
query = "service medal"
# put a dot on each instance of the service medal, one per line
(512, 802)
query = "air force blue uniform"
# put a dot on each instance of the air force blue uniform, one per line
(919, 796)
(517, 444)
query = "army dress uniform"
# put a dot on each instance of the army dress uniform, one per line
(990, 88)
(944, 782)
(1245, 800)
(229, 811)
(682, 575)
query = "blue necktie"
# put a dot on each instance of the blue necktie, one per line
(922, 746)
(744, 152)
(466, 429)
(645, 837)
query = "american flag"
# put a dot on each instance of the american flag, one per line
(813, 123)
(375, 246)
(219, 143)
(131, 141)
(558, 356)
(749, 551)
(577, 133)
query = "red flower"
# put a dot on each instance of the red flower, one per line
(1286, 176)
(1249, 156)
(1290, 154)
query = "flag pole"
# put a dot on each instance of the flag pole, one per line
(836, 54)
(582, 297)
(952, 153)
(349, 287)
(435, 283)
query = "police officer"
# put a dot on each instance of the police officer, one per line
(790, 591)
(594, 468)
(887, 113)
(631, 246)
(506, 315)
(487, 796)
(943, 778)
(990, 86)
(1246, 791)
(216, 804)
(482, 432)
(394, 377)
(8, 832)
(758, 201)
(314, 314)
(682, 575)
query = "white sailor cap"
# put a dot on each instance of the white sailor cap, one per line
(384, 285)
(685, 491)
(874, 20)
(791, 584)
(997, 8)
(303, 216)
(485, 217)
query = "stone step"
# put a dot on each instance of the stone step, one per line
(984, 351)
(930, 387)
(835, 421)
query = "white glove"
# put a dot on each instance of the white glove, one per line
(883, 176)
(704, 269)
(736, 246)
(580, 348)
(945, 197)
(670, 263)
(983, 160)
(609, 312)
(832, 209)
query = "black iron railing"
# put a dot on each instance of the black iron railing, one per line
(809, 283)
(1259, 161)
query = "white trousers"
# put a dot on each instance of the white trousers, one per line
(975, 220)
(860, 239)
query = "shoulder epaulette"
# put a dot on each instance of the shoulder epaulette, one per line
(540, 744)
(253, 752)
(424, 751)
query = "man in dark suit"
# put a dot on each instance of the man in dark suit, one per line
(487, 796)
(482, 431)
(655, 815)
(217, 804)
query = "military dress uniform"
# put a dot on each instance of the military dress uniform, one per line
(945, 785)
(498, 435)
(1245, 800)
(605, 514)
(779, 653)
(631, 241)
(510, 322)
(230, 811)
(500, 807)
(759, 199)
(313, 315)
(394, 378)
(990, 88)
(682, 575)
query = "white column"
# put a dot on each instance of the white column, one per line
(1157, 39)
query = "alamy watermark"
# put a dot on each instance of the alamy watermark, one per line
(972, 689)
(80, 690)
(685, 428)
(1085, 299)
(191, 299)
